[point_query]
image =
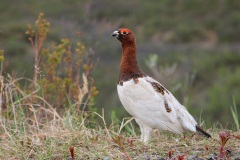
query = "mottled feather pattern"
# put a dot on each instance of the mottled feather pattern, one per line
(168, 109)
(135, 80)
(159, 88)
(123, 76)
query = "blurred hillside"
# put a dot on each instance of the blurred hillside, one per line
(193, 45)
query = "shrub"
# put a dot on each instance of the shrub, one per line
(61, 78)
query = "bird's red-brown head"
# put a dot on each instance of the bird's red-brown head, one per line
(124, 35)
(128, 67)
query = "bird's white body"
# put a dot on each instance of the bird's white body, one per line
(148, 108)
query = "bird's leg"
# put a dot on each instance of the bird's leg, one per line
(142, 136)
(146, 133)
(141, 129)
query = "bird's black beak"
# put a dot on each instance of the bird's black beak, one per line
(115, 33)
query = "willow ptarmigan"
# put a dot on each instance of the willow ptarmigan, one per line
(151, 104)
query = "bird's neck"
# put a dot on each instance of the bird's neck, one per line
(129, 63)
(129, 67)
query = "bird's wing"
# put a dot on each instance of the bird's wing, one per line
(174, 110)
(149, 102)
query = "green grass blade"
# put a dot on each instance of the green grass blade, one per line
(235, 114)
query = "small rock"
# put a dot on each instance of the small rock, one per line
(106, 158)
(69, 158)
(212, 156)
(146, 157)
(191, 157)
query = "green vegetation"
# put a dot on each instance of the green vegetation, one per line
(201, 38)
(49, 100)
(61, 135)
(235, 115)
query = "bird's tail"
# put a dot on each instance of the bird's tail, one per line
(201, 131)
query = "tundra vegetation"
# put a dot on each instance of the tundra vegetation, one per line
(52, 116)
(60, 106)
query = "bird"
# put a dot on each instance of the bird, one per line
(147, 100)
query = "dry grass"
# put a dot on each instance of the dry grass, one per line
(54, 138)
(35, 130)
(40, 121)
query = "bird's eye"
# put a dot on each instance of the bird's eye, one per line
(124, 32)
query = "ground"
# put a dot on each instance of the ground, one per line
(70, 138)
